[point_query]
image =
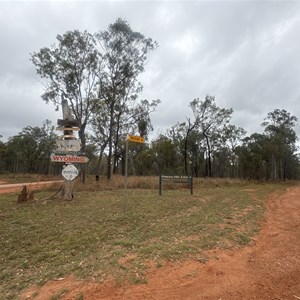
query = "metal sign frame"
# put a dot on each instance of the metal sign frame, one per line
(175, 179)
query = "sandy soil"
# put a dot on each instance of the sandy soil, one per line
(17, 187)
(268, 269)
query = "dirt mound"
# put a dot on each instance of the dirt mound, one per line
(268, 269)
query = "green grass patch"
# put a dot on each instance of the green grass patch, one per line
(113, 233)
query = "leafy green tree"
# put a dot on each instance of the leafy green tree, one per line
(189, 146)
(145, 161)
(189, 127)
(70, 69)
(97, 75)
(279, 128)
(3, 154)
(30, 150)
(99, 126)
(124, 55)
(210, 120)
(232, 137)
(177, 134)
(166, 155)
(252, 159)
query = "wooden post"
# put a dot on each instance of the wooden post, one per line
(160, 179)
(67, 190)
(68, 124)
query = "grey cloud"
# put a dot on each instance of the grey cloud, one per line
(245, 53)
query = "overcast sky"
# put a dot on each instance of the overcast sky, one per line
(245, 53)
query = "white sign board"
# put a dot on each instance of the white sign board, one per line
(68, 145)
(69, 172)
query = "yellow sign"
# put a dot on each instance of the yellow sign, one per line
(135, 138)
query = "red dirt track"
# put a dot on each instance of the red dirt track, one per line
(16, 187)
(268, 269)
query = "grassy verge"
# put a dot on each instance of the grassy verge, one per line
(104, 233)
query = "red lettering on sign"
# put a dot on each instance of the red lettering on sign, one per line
(69, 159)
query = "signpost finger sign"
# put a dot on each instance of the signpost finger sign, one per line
(132, 138)
(135, 138)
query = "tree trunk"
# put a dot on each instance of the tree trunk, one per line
(190, 128)
(116, 142)
(110, 141)
(67, 190)
(100, 159)
(83, 142)
(185, 154)
(274, 168)
(208, 156)
(109, 159)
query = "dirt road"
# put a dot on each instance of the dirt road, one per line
(268, 269)
(15, 187)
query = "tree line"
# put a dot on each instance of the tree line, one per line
(207, 145)
(98, 75)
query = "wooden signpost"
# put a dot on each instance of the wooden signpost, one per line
(68, 150)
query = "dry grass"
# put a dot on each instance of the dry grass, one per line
(117, 182)
(152, 182)
(22, 178)
(95, 234)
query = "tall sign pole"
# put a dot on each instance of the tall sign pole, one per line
(132, 138)
(136, 139)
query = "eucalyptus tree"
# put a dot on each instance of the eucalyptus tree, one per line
(188, 127)
(97, 74)
(136, 121)
(99, 127)
(124, 55)
(233, 137)
(3, 155)
(252, 158)
(69, 68)
(177, 134)
(209, 119)
(279, 128)
(29, 151)
(166, 155)
(189, 145)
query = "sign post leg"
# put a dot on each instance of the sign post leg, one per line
(126, 177)
(160, 179)
(67, 189)
(126, 164)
